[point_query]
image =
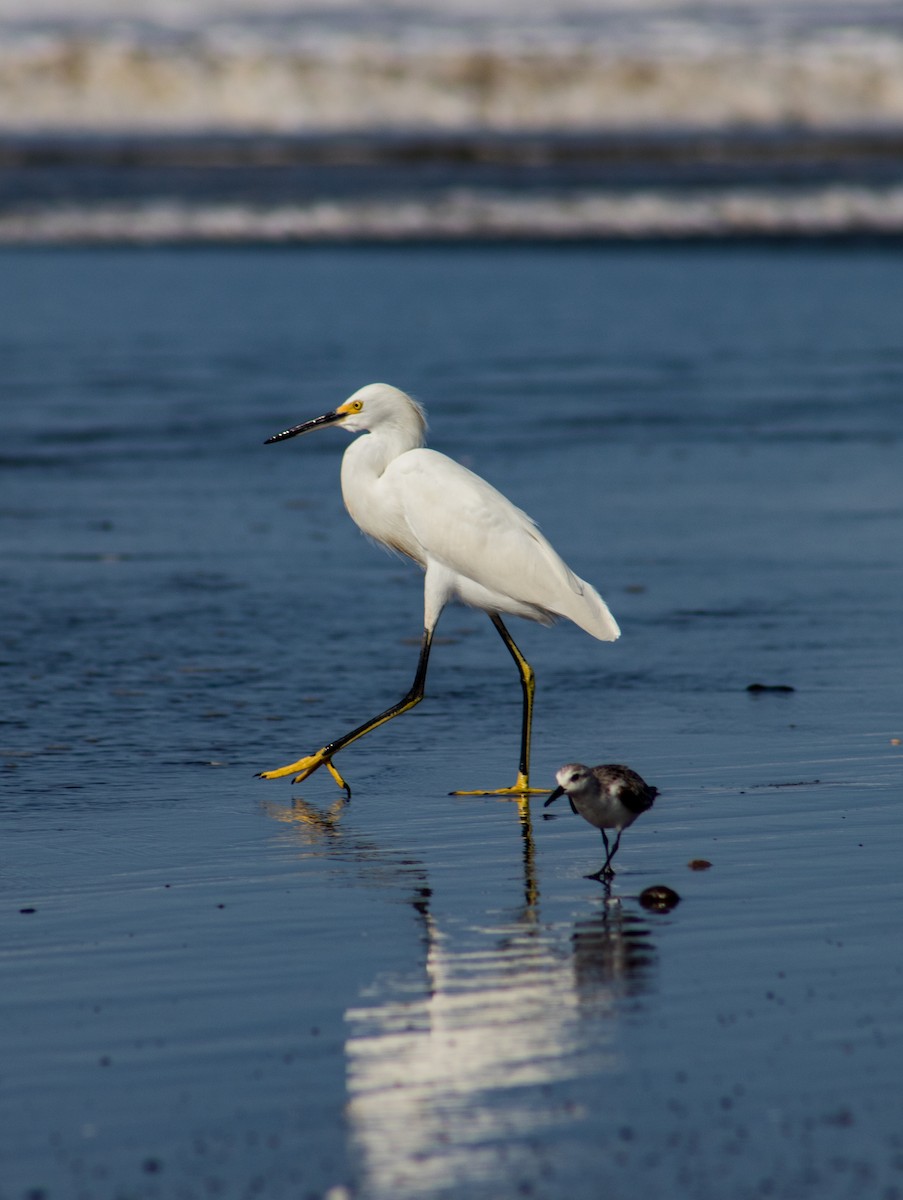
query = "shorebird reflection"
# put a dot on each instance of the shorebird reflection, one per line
(613, 954)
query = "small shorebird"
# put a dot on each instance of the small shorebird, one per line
(609, 797)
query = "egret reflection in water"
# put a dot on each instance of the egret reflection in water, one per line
(446, 1067)
(311, 824)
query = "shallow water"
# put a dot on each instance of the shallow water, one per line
(214, 985)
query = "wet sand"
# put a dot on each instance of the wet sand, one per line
(217, 985)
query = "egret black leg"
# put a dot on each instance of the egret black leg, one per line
(306, 766)
(407, 702)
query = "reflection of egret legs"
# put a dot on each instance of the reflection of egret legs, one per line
(531, 885)
(315, 823)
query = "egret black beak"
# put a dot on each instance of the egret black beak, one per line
(326, 419)
(556, 795)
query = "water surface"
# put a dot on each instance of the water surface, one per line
(214, 985)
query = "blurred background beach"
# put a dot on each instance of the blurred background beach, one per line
(142, 121)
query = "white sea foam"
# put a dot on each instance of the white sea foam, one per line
(96, 65)
(462, 214)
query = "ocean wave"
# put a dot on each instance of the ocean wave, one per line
(836, 211)
(386, 66)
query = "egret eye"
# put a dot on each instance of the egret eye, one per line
(357, 405)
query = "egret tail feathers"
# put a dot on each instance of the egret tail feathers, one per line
(591, 613)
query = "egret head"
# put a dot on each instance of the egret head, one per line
(375, 405)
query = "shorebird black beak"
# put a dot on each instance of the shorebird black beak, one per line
(327, 419)
(556, 795)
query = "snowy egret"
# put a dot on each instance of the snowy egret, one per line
(609, 797)
(472, 543)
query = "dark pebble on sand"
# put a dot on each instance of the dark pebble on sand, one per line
(659, 898)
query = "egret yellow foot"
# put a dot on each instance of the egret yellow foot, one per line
(306, 766)
(520, 788)
(333, 771)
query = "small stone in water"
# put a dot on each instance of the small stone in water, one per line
(659, 898)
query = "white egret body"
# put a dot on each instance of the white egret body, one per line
(609, 797)
(473, 544)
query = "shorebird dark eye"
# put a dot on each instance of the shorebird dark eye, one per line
(574, 778)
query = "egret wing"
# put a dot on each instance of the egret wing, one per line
(468, 526)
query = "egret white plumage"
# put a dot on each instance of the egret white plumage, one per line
(473, 544)
(609, 797)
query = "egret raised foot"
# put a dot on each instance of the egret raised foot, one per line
(472, 543)
(306, 766)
